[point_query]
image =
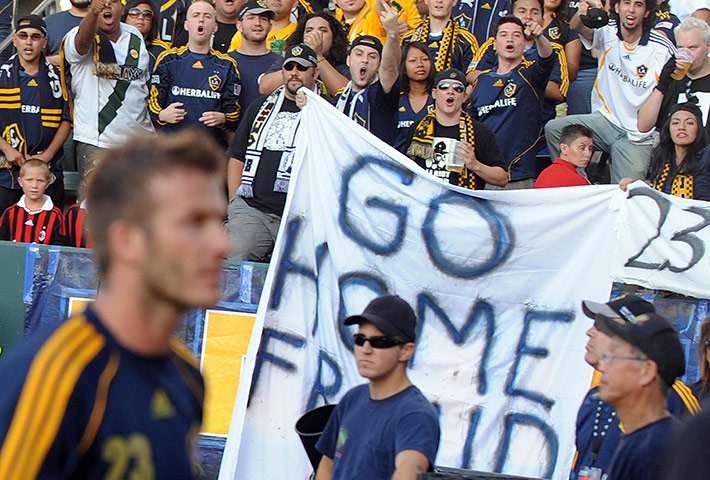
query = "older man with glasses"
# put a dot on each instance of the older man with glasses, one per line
(450, 144)
(385, 428)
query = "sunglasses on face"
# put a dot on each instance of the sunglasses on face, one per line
(36, 37)
(135, 12)
(377, 342)
(458, 88)
(289, 66)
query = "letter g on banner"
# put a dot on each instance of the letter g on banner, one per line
(502, 239)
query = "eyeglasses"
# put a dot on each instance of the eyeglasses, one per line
(289, 66)
(377, 342)
(608, 357)
(135, 12)
(445, 85)
(36, 37)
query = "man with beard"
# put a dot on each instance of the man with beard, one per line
(58, 24)
(253, 56)
(281, 26)
(227, 15)
(260, 160)
(196, 85)
(631, 58)
(105, 68)
(370, 98)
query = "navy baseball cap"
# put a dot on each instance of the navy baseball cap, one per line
(301, 54)
(256, 7)
(367, 41)
(626, 307)
(390, 314)
(654, 336)
(31, 21)
(451, 74)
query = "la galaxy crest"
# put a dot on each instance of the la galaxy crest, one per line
(641, 71)
(215, 82)
(554, 33)
(510, 89)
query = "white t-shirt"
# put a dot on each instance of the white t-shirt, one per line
(627, 76)
(127, 114)
(685, 8)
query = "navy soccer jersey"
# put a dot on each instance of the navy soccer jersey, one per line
(372, 108)
(31, 117)
(407, 117)
(76, 404)
(640, 454)
(511, 105)
(44, 226)
(480, 16)
(203, 82)
(452, 48)
(251, 67)
(171, 19)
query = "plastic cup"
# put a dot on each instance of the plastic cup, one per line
(684, 58)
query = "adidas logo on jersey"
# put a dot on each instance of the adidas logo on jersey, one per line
(29, 222)
(32, 83)
(402, 109)
(626, 57)
(434, 45)
(197, 64)
(160, 406)
(499, 83)
(486, 6)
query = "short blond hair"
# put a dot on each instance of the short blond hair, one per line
(35, 163)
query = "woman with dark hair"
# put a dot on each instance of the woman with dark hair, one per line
(143, 15)
(416, 79)
(701, 388)
(557, 29)
(326, 36)
(680, 163)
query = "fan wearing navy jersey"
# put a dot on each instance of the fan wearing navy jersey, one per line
(171, 20)
(450, 45)
(196, 85)
(509, 98)
(110, 393)
(34, 122)
(666, 21)
(34, 218)
(480, 16)
(368, 99)
(556, 90)
(598, 431)
(474, 159)
(631, 57)
(416, 79)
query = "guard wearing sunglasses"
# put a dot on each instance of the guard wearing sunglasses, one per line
(196, 85)
(385, 428)
(33, 123)
(450, 144)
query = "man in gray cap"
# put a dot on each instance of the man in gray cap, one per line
(385, 428)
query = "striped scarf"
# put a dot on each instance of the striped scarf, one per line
(682, 184)
(423, 139)
(447, 45)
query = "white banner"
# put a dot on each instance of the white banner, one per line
(495, 278)
(663, 242)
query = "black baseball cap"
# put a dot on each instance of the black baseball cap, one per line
(301, 54)
(31, 21)
(451, 74)
(367, 41)
(626, 307)
(390, 314)
(654, 336)
(256, 7)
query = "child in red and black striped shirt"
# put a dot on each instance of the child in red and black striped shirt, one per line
(34, 219)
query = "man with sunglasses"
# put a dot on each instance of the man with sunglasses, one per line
(37, 125)
(261, 153)
(385, 428)
(196, 85)
(598, 431)
(475, 159)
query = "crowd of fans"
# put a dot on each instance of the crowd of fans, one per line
(480, 94)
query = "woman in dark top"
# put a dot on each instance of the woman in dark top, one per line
(416, 79)
(135, 14)
(326, 36)
(557, 29)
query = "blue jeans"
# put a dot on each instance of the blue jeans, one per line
(579, 95)
(627, 159)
